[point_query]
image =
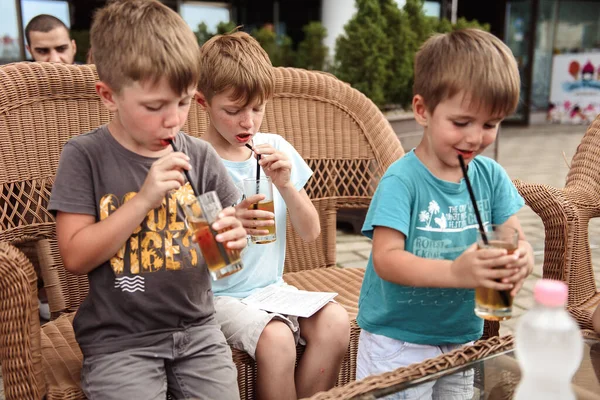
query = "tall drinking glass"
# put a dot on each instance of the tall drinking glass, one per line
(262, 186)
(200, 214)
(490, 304)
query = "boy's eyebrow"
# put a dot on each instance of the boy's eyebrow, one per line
(471, 117)
(165, 100)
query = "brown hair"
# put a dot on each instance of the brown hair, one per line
(143, 40)
(235, 61)
(43, 23)
(470, 61)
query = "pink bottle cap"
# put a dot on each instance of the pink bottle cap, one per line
(550, 292)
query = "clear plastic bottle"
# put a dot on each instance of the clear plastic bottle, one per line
(548, 345)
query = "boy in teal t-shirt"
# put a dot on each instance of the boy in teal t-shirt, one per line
(417, 297)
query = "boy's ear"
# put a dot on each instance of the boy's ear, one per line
(419, 110)
(201, 99)
(106, 95)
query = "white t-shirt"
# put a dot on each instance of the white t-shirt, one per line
(263, 263)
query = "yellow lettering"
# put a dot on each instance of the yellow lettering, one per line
(151, 255)
(170, 251)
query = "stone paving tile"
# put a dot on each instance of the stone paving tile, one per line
(348, 256)
(357, 245)
(356, 264)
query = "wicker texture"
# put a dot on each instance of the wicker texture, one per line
(339, 132)
(458, 357)
(566, 213)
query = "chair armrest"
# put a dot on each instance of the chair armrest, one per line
(20, 352)
(567, 255)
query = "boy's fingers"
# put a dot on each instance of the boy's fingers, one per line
(257, 232)
(256, 223)
(281, 165)
(519, 274)
(251, 214)
(492, 284)
(231, 235)
(498, 273)
(516, 289)
(490, 253)
(237, 244)
(248, 201)
(226, 212)
(226, 222)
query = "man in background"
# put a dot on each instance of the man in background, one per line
(48, 39)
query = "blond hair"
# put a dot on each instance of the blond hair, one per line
(143, 40)
(235, 61)
(470, 61)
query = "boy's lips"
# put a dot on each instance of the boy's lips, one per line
(243, 137)
(465, 153)
(166, 142)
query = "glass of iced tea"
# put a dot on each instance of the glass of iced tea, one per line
(262, 186)
(200, 214)
(490, 304)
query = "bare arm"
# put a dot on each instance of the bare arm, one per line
(596, 319)
(303, 214)
(471, 269)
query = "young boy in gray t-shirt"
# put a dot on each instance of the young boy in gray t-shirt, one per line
(147, 325)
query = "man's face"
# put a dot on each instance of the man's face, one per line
(52, 46)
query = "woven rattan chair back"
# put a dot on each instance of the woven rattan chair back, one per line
(337, 130)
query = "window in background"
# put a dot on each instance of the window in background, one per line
(31, 8)
(578, 26)
(542, 56)
(196, 12)
(432, 8)
(10, 48)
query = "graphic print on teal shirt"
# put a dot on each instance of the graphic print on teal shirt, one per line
(438, 222)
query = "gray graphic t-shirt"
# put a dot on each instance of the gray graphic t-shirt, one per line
(158, 281)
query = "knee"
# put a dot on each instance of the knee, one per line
(332, 328)
(276, 342)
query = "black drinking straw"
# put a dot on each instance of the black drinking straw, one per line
(257, 173)
(212, 231)
(484, 237)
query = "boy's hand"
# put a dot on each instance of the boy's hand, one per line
(275, 164)
(524, 266)
(165, 174)
(485, 268)
(248, 217)
(235, 237)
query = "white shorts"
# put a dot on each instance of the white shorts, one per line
(243, 324)
(378, 354)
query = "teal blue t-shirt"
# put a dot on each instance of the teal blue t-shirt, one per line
(438, 221)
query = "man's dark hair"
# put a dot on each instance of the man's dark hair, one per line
(43, 23)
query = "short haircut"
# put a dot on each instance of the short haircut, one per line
(43, 23)
(470, 61)
(235, 61)
(143, 41)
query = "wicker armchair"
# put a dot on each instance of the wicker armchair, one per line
(342, 135)
(566, 213)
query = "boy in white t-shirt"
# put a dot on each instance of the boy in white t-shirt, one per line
(235, 84)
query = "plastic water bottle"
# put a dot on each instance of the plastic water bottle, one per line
(549, 345)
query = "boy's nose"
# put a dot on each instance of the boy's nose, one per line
(246, 122)
(475, 137)
(171, 118)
